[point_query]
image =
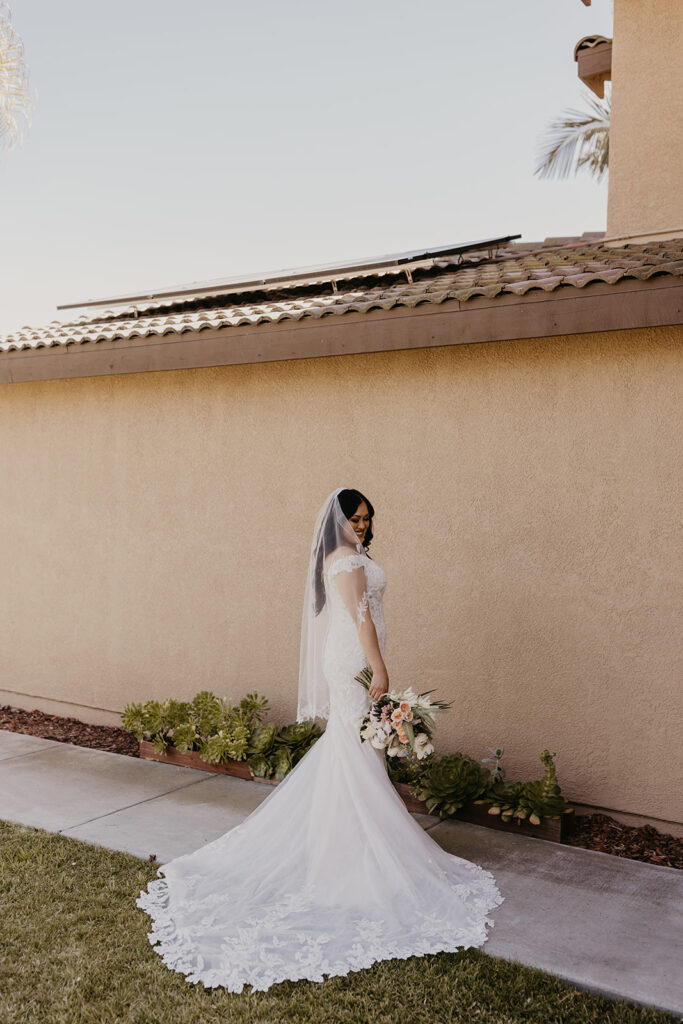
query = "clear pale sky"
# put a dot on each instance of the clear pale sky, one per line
(174, 142)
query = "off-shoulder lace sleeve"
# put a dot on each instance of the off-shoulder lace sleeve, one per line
(348, 573)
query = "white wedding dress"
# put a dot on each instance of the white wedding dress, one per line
(330, 873)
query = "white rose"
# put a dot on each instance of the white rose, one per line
(423, 750)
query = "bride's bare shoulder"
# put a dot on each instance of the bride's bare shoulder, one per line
(340, 552)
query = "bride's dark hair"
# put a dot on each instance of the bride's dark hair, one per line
(350, 500)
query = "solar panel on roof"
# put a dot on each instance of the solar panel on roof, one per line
(298, 274)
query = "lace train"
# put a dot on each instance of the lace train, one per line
(254, 955)
(317, 883)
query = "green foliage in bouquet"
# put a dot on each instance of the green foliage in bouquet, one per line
(449, 782)
(208, 724)
(273, 751)
(406, 769)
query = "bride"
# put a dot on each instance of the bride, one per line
(330, 873)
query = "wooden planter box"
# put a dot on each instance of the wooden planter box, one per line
(555, 830)
(476, 814)
(192, 760)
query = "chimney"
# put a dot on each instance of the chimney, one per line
(645, 198)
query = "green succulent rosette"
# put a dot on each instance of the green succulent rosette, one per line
(449, 782)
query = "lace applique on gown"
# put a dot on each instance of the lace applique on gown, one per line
(330, 873)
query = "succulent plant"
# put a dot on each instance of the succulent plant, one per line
(296, 733)
(497, 772)
(262, 739)
(174, 712)
(259, 765)
(207, 723)
(207, 711)
(159, 744)
(226, 743)
(532, 800)
(450, 782)
(275, 751)
(543, 798)
(299, 736)
(184, 736)
(133, 719)
(282, 762)
(154, 719)
(503, 797)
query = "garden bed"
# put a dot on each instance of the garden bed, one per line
(590, 831)
(552, 829)
(192, 760)
(476, 814)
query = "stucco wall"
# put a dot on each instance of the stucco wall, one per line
(156, 530)
(646, 136)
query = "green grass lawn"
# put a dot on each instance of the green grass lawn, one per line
(74, 950)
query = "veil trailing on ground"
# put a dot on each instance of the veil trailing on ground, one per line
(332, 531)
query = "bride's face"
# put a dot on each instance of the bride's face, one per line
(357, 524)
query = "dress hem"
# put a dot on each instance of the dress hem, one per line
(168, 944)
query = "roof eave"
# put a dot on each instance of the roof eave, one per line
(627, 305)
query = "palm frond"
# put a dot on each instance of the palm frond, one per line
(16, 104)
(578, 139)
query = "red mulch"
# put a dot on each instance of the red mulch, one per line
(591, 831)
(600, 832)
(69, 730)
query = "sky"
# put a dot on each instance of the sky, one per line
(175, 142)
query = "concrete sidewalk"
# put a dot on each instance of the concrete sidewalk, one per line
(603, 923)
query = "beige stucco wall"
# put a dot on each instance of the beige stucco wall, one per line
(646, 137)
(156, 530)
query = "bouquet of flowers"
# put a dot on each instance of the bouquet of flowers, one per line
(400, 722)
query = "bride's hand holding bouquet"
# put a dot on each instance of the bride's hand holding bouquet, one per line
(378, 683)
(400, 722)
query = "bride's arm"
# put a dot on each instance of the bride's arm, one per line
(352, 589)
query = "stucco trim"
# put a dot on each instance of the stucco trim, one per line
(626, 305)
(664, 235)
